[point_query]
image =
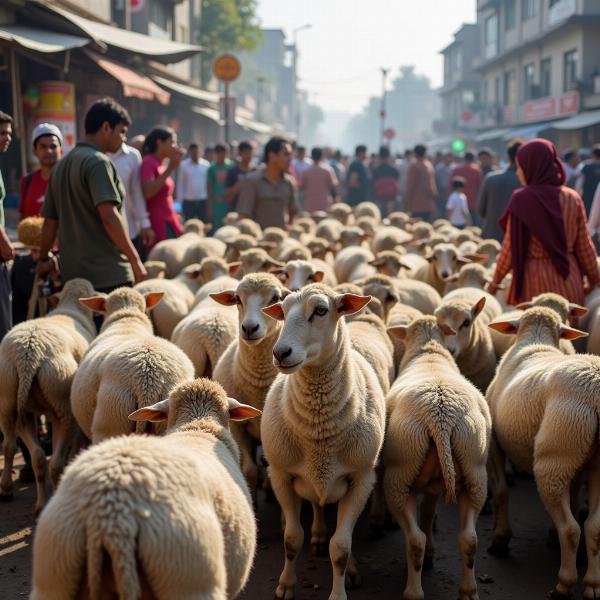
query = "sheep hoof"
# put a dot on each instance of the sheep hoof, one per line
(556, 595)
(591, 591)
(319, 548)
(427, 563)
(353, 580)
(499, 547)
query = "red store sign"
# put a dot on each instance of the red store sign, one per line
(545, 108)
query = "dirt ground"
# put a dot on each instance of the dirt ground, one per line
(528, 574)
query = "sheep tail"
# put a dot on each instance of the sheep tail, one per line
(441, 439)
(27, 368)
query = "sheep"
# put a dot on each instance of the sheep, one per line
(352, 236)
(329, 229)
(227, 233)
(368, 225)
(125, 367)
(413, 260)
(249, 227)
(297, 252)
(367, 209)
(237, 245)
(214, 271)
(342, 212)
(172, 514)
(38, 359)
(389, 262)
(399, 219)
(546, 407)
(437, 441)
(491, 248)
(318, 216)
(306, 223)
(298, 273)
(421, 230)
(352, 263)
(255, 260)
(387, 238)
(201, 248)
(246, 369)
(321, 248)
(322, 426)
(155, 269)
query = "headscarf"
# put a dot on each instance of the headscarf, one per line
(535, 209)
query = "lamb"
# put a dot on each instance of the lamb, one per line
(352, 236)
(249, 227)
(387, 238)
(321, 248)
(389, 262)
(352, 263)
(367, 209)
(172, 514)
(213, 270)
(399, 219)
(38, 359)
(237, 245)
(437, 441)
(246, 369)
(322, 426)
(342, 212)
(307, 223)
(298, 273)
(555, 401)
(329, 229)
(156, 269)
(202, 248)
(227, 233)
(297, 252)
(125, 367)
(491, 248)
(256, 260)
(368, 225)
(443, 261)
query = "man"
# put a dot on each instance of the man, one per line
(84, 203)
(237, 172)
(217, 173)
(486, 161)
(336, 163)
(47, 148)
(570, 161)
(128, 161)
(300, 163)
(358, 177)
(385, 180)
(268, 196)
(496, 192)
(7, 251)
(192, 180)
(421, 189)
(405, 163)
(589, 179)
(318, 183)
(442, 172)
(473, 177)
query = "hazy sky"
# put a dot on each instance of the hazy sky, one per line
(341, 55)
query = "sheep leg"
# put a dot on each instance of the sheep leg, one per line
(377, 512)
(249, 468)
(499, 489)
(9, 448)
(293, 535)
(428, 511)
(591, 581)
(340, 545)
(467, 545)
(318, 539)
(415, 540)
(27, 428)
(64, 433)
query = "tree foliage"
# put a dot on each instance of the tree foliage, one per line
(227, 26)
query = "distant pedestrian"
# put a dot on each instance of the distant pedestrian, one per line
(335, 162)
(209, 154)
(46, 142)
(191, 190)
(589, 178)
(357, 179)
(457, 209)
(301, 163)
(217, 174)
(473, 177)
(385, 182)
(236, 173)
(84, 205)
(495, 194)
(442, 172)
(268, 195)
(403, 167)
(546, 245)
(7, 252)
(571, 160)
(421, 189)
(487, 161)
(157, 183)
(318, 183)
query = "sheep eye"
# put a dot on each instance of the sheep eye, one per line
(321, 311)
(466, 323)
(275, 299)
(238, 300)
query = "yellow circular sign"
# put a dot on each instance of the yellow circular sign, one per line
(227, 67)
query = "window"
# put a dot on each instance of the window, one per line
(510, 16)
(546, 77)
(491, 36)
(570, 70)
(161, 18)
(528, 9)
(528, 81)
(510, 88)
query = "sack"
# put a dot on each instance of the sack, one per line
(386, 188)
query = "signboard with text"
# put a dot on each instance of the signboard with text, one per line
(547, 108)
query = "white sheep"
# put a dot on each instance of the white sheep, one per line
(153, 517)
(126, 366)
(329, 229)
(237, 245)
(390, 263)
(546, 408)
(367, 209)
(342, 212)
(437, 442)
(352, 263)
(38, 359)
(249, 227)
(322, 426)
(443, 260)
(201, 248)
(216, 272)
(298, 273)
(246, 370)
(255, 260)
(387, 238)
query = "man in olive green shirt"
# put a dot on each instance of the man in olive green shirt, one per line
(84, 203)
(7, 251)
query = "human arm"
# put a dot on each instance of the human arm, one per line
(152, 185)
(7, 252)
(333, 182)
(584, 248)
(49, 231)
(594, 220)
(138, 206)
(503, 261)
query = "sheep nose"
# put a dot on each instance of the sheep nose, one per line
(281, 354)
(249, 329)
(445, 274)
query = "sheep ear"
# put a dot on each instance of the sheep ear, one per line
(404, 265)
(274, 264)
(429, 256)
(568, 333)
(478, 307)
(226, 298)
(575, 310)
(399, 331)
(524, 305)
(451, 278)
(476, 257)
(155, 413)
(241, 412)
(508, 327)
(277, 270)
(463, 260)
(318, 276)
(152, 299)
(348, 304)
(234, 266)
(266, 245)
(275, 311)
(446, 329)
(377, 262)
(96, 303)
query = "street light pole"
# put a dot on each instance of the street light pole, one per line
(294, 107)
(384, 73)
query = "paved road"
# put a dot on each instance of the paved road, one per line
(527, 574)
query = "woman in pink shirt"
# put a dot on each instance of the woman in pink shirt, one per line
(157, 183)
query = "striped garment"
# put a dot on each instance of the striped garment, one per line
(540, 274)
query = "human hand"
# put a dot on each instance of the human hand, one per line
(139, 271)
(7, 252)
(147, 236)
(176, 157)
(492, 288)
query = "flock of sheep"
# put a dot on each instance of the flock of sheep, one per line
(363, 355)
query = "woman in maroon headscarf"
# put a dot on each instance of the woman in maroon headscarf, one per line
(546, 244)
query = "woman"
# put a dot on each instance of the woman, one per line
(546, 244)
(157, 184)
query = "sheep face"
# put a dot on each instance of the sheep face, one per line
(156, 269)
(445, 260)
(238, 245)
(298, 273)
(209, 269)
(319, 247)
(455, 320)
(385, 294)
(257, 260)
(389, 262)
(310, 331)
(471, 275)
(352, 236)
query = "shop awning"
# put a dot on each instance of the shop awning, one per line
(492, 134)
(527, 132)
(187, 90)
(209, 113)
(134, 84)
(160, 50)
(584, 119)
(252, 125)
(40, 40)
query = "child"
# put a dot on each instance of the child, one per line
(457, 209)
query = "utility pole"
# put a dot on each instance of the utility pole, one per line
(384, 73)
(259, 98)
